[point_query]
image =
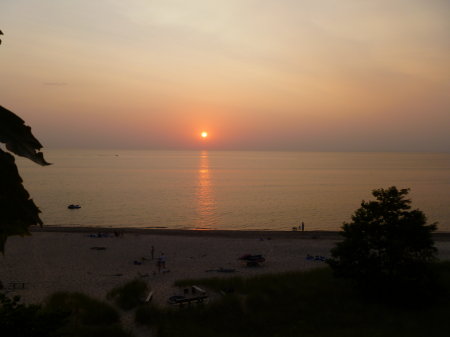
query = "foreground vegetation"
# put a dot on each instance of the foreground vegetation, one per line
(387, 244)
(312, 303)
(304, 304)
(63, 314)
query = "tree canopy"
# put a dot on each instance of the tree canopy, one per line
(17, 210)
(386, 244)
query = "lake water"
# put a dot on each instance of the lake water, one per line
(238, 190)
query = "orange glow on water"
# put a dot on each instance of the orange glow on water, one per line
(206, 203)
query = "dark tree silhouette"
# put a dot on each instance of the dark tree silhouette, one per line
(386, 245)
(17, 210)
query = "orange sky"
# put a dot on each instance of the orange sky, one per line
(256, 74)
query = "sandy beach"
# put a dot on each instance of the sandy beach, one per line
(75, 259)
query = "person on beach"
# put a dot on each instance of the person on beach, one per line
(161, 262)
(158, 264)
(303, 226)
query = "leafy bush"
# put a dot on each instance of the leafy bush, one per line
(23, 320)
(129, 295)
(64, 314)
(387, 246)
(85, 316)
(83, 308)
(17, 211)
(148, 315)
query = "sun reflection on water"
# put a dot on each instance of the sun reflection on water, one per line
(206, 203)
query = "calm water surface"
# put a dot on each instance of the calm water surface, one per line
(228, 190)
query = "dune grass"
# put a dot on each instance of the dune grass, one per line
(310, 303)
(85, 316)
(129, 295)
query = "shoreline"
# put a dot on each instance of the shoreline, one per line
(306, 235)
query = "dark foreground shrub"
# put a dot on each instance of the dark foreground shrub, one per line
(85, 316)
(309, 304)
(387, 248)
(23, 320)
(83, 308)
(129, 295)
(148, 315)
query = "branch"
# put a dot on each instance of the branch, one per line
(18, 137)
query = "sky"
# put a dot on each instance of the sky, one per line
(312, 75)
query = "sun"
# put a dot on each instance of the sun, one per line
(204, 134)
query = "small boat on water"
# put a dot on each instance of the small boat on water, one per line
(72, 206)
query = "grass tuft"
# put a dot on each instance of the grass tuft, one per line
(85, 316)
(129, 295)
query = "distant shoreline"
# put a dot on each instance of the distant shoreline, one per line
(315, 234)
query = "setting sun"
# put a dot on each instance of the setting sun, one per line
(204, 134)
